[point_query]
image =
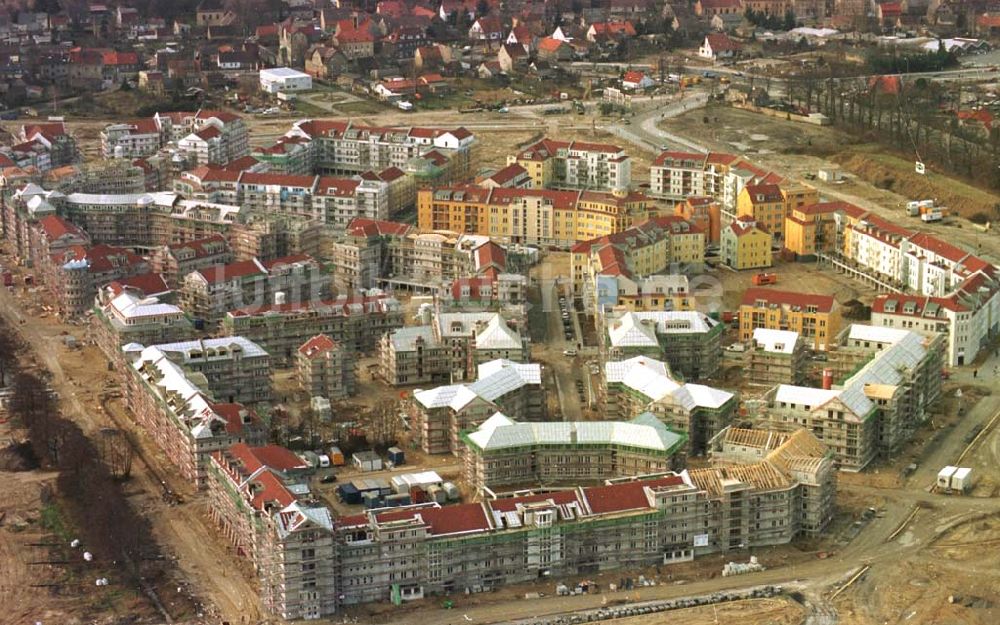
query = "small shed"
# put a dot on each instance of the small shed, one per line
(396, 456)
(336, 457)
(830, 174)
(367, 461)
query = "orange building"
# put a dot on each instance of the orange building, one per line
(813, 228)
(703, 212)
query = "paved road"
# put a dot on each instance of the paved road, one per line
(643, 132)
(565, 368)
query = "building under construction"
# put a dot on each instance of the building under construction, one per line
(878, 390)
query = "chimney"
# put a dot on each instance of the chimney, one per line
(827, 379)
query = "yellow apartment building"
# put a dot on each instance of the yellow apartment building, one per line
(812, 228)
(815, 317)
(529, 216)
(745, 245)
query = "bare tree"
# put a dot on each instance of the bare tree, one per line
(382, 423)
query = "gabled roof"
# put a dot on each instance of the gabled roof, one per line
(317, 346)
(56, 227)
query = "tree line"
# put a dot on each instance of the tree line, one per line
(915, 116)
(92, 499)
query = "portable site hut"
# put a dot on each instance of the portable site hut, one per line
(367, 461)
(961, 480)
(396, 456)
(944, 476)
(336, 457)
(404, 483)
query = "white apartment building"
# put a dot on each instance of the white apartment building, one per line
(345, 147)
(131, 140)
(597, 166)
(944, 288)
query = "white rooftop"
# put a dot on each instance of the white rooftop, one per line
(639, 329)
(282, 72)
(652, 379)
(220, 347)
(405, 339)
(129, 306)
(876, 334)
(454, 396)
(645, 432)
(780, 341)
(497, 335)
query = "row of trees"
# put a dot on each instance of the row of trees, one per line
(913, 116)
(91, 497)
(767, 20)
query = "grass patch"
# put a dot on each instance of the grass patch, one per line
(362, 107)
(53, 521)
(309, 109)
(451, 101)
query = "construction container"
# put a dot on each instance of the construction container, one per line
(396, 456)
(401, 499)
(436, 494)
(371, 499)
(403, 483)
(944, 476)
(451, 491)
(764, 278)
(367, 461)
(372, 485)
(961, 479)
(349, 494)
(417, 494)
(337, 457)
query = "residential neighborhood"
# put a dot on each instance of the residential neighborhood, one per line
(512, 313)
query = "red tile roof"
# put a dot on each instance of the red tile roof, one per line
(55, 227)
(272, 456)
(120, 58)
(203, 247)
(490, 254)
(633, 77)
(461, 519)
(361, 226)
(625, 496)
(823, 303)
(233, 414)
(550, 45)
(273, 492)
(720, 42)
(317, 346)
(239, 269)
(341, 187)
(508, 173)
(147, 283)
(509, 504)
(764, 193)
(103, 258)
